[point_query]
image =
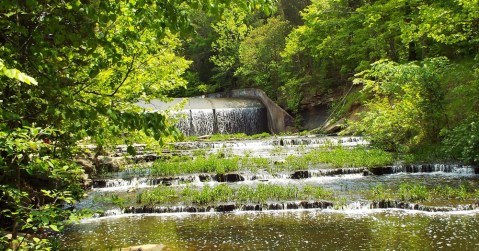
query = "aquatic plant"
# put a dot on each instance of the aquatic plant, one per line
(161, 194)
(410, 192)
(417, 192)
(355, 157)
(112, 199)
(224, 193)
(224, 161)
(380, 192)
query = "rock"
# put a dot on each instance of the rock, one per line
(248, 208)
(292, 205)
(204, 177)
(109, 164)
(148, 157)
(226, 208)
(87, 165)
(229, 177)
(146, 247)
(132, 190)
(275, 206)
(165, 181)
(301, 174)
(381, 170)
(86, 181)
(99, 183)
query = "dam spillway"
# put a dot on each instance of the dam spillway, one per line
(206, 116)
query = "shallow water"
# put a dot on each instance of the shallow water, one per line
(293, 230)
(352, 186)
(353, 228)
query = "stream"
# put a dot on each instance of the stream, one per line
(293, 225)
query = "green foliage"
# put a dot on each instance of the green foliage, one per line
(406, 105)
(214, 163)
(112, 199)
(408, 192)
(35, 184)
(341, 157)
(160, 194)
(81, 67)
(220, 163)
(231, 30)
(224, 193)
(259, 55)
(416, 192)
(341, 38)
(462, 142)
(16, 74)
(461, 138)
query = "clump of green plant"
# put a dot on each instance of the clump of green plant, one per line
(199, 152)
(424, 154)
(405, 105)
(207, 195)
(312, 192)
(224, 193)
(223, 162)
(462, 142)
(416, 192)
(158, 195)
(410, 192)
(380, 192)
(214, 163)
(338, 156)
(463, 192)
(112, 199)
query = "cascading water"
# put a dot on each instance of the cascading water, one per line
(116, 199)
(206, 116)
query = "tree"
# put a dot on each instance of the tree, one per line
(231, 31)
(259, 55)
(341, 38)
(406, 104)
(91, 61)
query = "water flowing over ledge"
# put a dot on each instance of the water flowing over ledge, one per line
(353, 207)
(144, 182)
(206, 116)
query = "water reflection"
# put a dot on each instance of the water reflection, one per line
(305, 230)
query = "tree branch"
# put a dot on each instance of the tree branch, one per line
(129, 70)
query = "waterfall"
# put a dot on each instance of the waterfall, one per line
(248, 120)
(426, 168)
(206, 116)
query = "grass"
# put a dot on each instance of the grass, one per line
(224, 193)
(356, 157)
(214, 163)
(415, 192)
(223, 163)
(340, 157)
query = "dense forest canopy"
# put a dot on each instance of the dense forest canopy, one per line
(415, 61)
(71, 70)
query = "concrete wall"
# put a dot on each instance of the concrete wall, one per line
(278, 119)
